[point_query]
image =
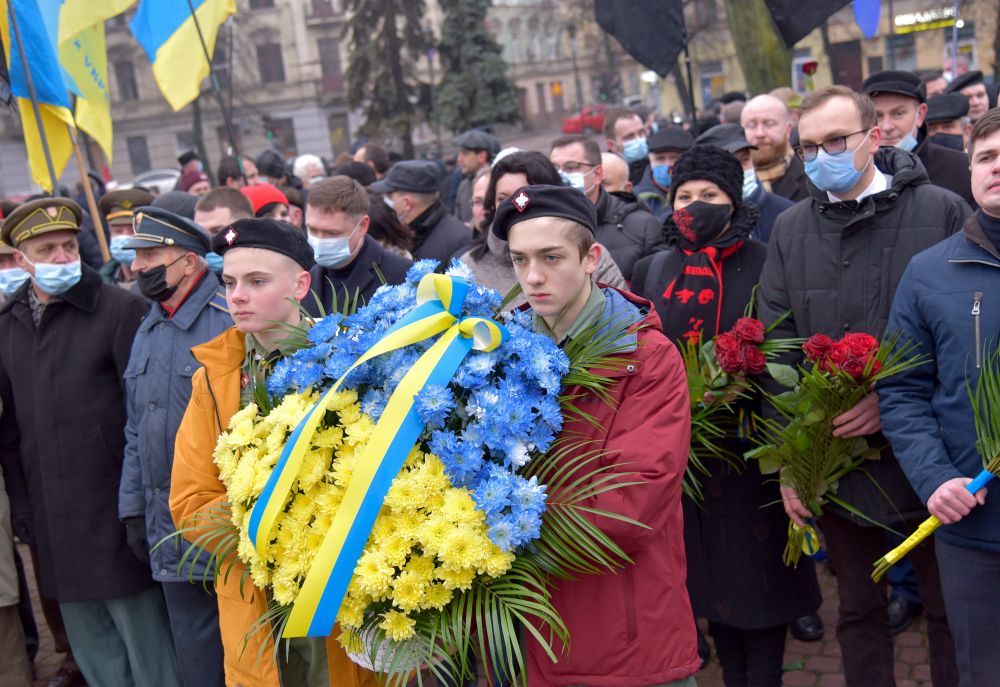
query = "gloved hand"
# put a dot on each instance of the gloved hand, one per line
(135, 536)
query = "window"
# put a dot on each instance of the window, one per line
(138, 154)
(712, 80)
(128, 89)
(329, 62)
(901, 52)
(185, 142)
(261, 4)
(272, 69)
(322, 8)
(283, 135)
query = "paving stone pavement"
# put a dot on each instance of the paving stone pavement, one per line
(814, 664)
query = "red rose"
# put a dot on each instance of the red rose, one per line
(839, 354)
(731, 362)
(749, 330)
(809, 68)
(861, 346)
(725, 343)
(876, 368)
(817, 347)
(855, 368)
(754, 362)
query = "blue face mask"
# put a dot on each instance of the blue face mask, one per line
(333, 252)
(214, 262)
(11, 280)
(56, 279)
(661, 174)
(749, 183)
(908, 143)
(635, 150)
(835, 173)
(577, 180)
(123, 255)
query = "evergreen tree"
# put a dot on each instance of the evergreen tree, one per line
(385, 35)
(474, 90)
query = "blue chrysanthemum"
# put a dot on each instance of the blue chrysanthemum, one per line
(434, 404)
(502, 534)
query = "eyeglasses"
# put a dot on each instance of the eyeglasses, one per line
(571, 166)
(807, 152)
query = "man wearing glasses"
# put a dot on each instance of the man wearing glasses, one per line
(626, 229)
(833, 263)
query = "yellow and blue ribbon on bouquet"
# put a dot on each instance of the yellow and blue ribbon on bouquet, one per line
(439, 311)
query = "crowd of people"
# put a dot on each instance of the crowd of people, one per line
(873, 211)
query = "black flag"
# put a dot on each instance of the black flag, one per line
(651, 31)
(795, 19)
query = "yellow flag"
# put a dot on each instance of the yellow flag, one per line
(77, 15)
(84, 56)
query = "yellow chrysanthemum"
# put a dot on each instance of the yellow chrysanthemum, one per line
(456, 578)
(463, 547)
(408, 591)
(437, 597)
(398, 626)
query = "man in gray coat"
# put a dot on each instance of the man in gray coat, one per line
(189, 309)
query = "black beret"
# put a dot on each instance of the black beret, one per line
(900, 83)
(709, 163)
(266, 233)
(968, 79)
(416, 176)
(670, 138)
(477, 139)
(946, 107)
(155, 227)
(542, 200)
(729, 137)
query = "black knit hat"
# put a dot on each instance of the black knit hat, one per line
(710, 164)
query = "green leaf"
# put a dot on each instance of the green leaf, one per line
(783, 374)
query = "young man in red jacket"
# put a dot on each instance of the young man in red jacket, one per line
(633, 627)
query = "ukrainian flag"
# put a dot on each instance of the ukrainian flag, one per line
(166, 30)
(79, 29)
(53, 101)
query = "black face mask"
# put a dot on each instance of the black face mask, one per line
(153, 283)
(700, 223)
(953, 141)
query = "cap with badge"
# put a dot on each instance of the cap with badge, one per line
(895, 82)
(973, 78)
(541, 200)
(266, 233)
(477, 139)
(946, 107)
(118, 207)
(729, 137)
(415, 176)
(156, 227)
(670, 139)
(41, 216)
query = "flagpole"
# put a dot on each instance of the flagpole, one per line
(12, 13)
(217, 91)
(95, 212)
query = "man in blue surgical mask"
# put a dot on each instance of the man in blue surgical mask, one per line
(665, 148)
(626, 134)
(350, 264)
(118, 208)
(900, 103)
(833, 263)
(65, 340)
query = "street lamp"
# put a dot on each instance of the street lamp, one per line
(571, 30)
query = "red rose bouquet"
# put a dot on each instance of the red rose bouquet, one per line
(801, 446)
(720, 372)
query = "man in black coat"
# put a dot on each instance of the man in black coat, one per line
(625, 227)
(900, 102)
(765, 120)
(411, 189)
(350, 264)
(832, 266)
(65, 339)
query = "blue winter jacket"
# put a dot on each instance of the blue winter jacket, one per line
(770, 206)
(948, 303)
(158, 386)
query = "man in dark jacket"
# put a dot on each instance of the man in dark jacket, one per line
(625, 228)
(350, 264)
(625, 134)
(767, 125)
(476, 149)
(189, 308)
(948, 120)
(411, 189)
(634, 626)
(65, 339)
(730, 137)
(900, 102)
(832, 266)
(665, 148)
(947, 304)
